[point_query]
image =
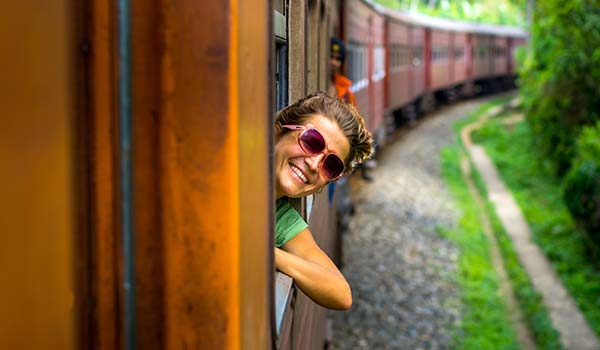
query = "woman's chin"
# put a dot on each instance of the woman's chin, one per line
(296, 192)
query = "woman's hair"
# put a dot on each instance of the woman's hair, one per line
(344, 114)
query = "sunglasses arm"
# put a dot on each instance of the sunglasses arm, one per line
(294, 127)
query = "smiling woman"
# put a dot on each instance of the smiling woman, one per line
(318, 140)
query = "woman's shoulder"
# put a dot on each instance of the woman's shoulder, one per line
(288, 222)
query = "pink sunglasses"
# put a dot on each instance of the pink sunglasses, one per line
(312, 142)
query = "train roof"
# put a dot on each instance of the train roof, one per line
(420, 19)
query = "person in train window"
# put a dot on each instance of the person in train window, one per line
(318, 140)
(340, 84)
(340, 87)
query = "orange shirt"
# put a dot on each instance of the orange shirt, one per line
(342, 85)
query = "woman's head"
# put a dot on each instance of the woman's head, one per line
(344, 133)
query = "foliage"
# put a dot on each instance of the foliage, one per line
(559, 77)
(506, 12)
(539, 196)
(582, 183)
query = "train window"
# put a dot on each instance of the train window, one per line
(481, 51)
(418, 56)
(440, 53)
(459, 53)
(500, 51)
(356, 55)
(351, 61)
(379, 64)
(399, 57)
(281, 60)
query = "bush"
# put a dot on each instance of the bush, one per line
(582, 183)
(560, 74)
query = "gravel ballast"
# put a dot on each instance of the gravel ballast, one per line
(400, 268)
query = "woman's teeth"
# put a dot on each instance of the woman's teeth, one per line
(299, 173)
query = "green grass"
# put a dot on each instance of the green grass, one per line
(538, 194)
(469, 237)
(485, 324)
(535, 313)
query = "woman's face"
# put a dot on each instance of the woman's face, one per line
(297, 174)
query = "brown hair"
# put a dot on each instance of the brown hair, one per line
(344, 114)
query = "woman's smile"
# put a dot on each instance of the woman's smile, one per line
(299, 173)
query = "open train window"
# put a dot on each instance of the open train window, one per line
(281, 59)
(283, 284)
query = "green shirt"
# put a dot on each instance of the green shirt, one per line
(288, 222)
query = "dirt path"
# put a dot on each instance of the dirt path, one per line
(575, 333)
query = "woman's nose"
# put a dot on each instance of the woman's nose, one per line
(314, 161)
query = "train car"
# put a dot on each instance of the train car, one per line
(139, 194)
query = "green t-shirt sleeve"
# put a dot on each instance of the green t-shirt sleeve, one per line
(288, 222)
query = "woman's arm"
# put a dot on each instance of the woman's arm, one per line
(313, 271)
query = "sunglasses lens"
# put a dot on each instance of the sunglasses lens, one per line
(332, 166)
(312, 141)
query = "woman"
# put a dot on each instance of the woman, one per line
(317, 140)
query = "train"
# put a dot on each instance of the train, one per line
(137, 196)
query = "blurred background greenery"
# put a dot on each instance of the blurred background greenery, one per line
(505, 12)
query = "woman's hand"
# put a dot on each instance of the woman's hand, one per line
(314, 273)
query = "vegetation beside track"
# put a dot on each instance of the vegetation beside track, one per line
(530, 301)
(485, 323)
(538, 193)
(558, 80)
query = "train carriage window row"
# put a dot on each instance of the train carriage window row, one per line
(379, 66)
(356, 56)
(440, 54)
(399, 57)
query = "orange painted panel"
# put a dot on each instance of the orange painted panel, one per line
(255, 195)
(36, 182)
(213, 143)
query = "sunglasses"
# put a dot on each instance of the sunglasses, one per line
(312, 142)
